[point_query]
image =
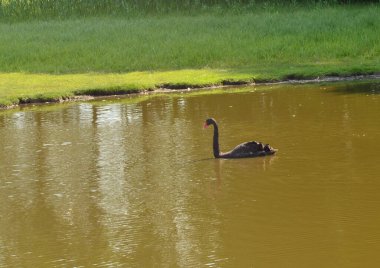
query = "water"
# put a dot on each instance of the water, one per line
(132, 183)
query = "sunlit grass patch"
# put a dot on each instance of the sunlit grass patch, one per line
(24, 87)
(18, 88)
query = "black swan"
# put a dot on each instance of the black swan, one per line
(247, 149)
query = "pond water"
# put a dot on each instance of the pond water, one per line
(132, 182)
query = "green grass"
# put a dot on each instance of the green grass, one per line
(331, 35)
(17, 10)
(18, 88)
(52, 59)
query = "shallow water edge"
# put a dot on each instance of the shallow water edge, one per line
(170, 88)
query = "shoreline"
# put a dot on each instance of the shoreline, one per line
(171, 88)
(85, 57)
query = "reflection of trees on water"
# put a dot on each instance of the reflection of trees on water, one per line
(45, 195)
(112, 184)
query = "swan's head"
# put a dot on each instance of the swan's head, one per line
(209, 121)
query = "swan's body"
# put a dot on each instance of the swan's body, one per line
(246, 149)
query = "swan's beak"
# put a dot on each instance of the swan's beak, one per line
(205, 125)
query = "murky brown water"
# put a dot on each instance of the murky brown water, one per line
(131, 183)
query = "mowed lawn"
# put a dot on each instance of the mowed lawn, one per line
(52, 59)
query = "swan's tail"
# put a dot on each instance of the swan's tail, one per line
(269, 149)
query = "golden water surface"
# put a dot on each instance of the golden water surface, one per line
(132, 182)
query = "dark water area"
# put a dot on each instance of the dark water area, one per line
(133, 183)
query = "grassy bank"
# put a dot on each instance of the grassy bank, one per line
(18, 88)
(22, 88)
(49, 59)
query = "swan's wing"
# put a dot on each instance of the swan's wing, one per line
(247, 149)
(251, 146)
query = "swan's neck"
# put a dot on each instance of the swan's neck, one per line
(215, 144)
